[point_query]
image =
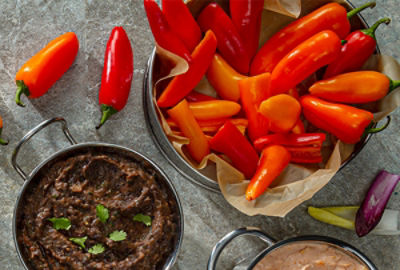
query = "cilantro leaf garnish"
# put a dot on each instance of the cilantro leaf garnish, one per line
(61, 223)
(102, 213)
(96, 249)
(80, 241)
(143, 218)
(117, 235)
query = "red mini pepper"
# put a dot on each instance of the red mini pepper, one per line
(345, 122)
(181, 85)
(40, 72)
(359, 46)
(331, 16)
(230, 43)
(182, 22)
(117, 74)
(196, 96)
(254, 90)
(314, 53)
(162, 32)
(233, 144)
(2, 142)
(303, 148)
(274, 159)
(246, 16)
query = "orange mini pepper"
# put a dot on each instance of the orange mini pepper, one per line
(354, 87)
(181, 85)
(214, 109)
(298, 127)
(282, 111)
(274, 160)
(224, 78)
(312, 54)
(198, 144)
(2, 142)
(254, 90)
(345, 122)
(40, 72)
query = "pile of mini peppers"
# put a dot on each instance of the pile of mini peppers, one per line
(255, 122)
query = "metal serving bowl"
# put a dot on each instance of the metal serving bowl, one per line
(161, 139)
(80, 148)
(273, 245)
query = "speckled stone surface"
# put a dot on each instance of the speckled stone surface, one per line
(27, 25)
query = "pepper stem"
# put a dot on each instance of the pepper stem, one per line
(2, 142)
(22, 89)
(371, 130)
(394, 85)
(371, 31)
(353, 12)
(107, 112)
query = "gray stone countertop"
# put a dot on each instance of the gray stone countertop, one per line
(27, 25)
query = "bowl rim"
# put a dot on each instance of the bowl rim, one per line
(118, 148)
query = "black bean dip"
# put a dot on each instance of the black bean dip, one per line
(72, 188)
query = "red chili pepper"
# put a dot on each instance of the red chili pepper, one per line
(360, 45)
(181, 85)
(305, 154)
(345, 122)
(314, 53)
(288, 139)
(331, 16)
(40, 72)
(2, 142)
(233, 144)
(163, 33)
(117, 74)
(246, 16)
(253, 90)
(196, 96)
(182, 22)
(230, 43)
(274, 159)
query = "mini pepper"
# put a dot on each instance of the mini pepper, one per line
(40, 72)
(117, 74)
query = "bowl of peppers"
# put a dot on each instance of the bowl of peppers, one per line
(254, 94)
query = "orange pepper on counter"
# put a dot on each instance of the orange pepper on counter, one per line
(282, 111)
(40, 72)
(198, 144)
(354, 87)
(344, 121)
(181, 85)
(2, 142)
(274, 159)
(224, 78)
(214, 109)
(254, 90)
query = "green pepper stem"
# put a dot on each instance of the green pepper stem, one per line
(21, 89)
(2, 142)
(394, 85)
(371, 31)
(343, 41)
(107, 111)
(371, 130)
(353, 12)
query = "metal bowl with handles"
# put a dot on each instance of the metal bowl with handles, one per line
(75, 148)
(273, 246)
(201, 178)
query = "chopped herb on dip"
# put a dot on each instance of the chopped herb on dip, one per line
(80, 241)
(143, 218)
(102, 213)
(117, 235)
(61, 223)
(96, 249)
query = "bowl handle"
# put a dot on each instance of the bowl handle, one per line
(253, 231)
(30, 135)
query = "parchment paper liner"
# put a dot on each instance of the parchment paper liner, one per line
(297, 183)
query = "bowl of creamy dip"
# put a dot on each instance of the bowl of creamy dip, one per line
(298, 253)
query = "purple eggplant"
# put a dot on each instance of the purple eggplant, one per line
(373, 206)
